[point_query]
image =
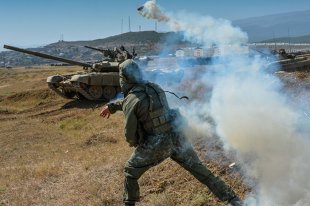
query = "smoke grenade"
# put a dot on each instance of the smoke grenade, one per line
(150, 10)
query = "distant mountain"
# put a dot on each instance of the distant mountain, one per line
(145, 42)
(300, 39)
(274, 26)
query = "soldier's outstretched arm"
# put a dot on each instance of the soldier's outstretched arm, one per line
(111, 108)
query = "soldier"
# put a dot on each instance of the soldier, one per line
(122, 54)
(152, 128)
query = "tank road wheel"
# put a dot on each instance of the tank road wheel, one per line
(69, 95)
(95, 91)
(109, 92)
(80, 96)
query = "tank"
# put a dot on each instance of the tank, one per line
(291, 62)
(98, 81)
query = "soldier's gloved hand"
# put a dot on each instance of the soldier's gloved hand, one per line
(105, 112)
(96, 66)
(112, 107)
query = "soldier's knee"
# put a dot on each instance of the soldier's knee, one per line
(129, 171)
(133, 173)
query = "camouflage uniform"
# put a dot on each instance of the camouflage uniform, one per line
(151, 127)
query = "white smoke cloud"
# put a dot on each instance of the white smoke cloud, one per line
(201, 29)
(152, 11)
(254, 118)
(251, 113)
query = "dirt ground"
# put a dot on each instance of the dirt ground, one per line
(55, 151)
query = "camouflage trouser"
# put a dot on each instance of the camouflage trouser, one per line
(158, 148)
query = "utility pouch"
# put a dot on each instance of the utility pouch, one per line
(140, 134)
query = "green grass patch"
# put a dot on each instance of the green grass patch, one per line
(2, 189)
(77, 123)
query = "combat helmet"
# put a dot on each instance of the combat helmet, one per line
(130, 74)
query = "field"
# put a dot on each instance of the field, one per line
(55, 151)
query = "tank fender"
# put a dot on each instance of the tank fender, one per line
(80, 78)
(109, 79)
(54, 79)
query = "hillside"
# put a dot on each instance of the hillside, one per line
(126, 38)
(145, 43)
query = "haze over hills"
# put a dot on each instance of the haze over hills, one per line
(290, 24)
(293, 40)
(290, 27)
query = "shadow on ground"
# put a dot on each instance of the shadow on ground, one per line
(84, 104)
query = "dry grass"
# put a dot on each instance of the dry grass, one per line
(56, 152)
(161, 199)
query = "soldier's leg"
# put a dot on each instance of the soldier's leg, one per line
(141, 160)
(185, 155)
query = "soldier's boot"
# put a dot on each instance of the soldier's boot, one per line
(235, 202)
(130, 204)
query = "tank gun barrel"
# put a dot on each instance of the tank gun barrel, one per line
(106, 52)
(94, 48)
(47, 56)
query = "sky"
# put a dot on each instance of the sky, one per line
(32, 23)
